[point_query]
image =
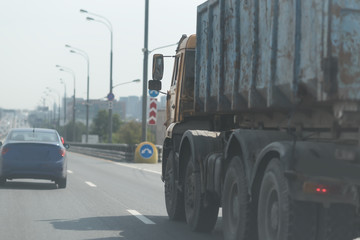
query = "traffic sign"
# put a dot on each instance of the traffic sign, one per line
(153, 93)
(110, 96)
(146, 152)
(152, 111)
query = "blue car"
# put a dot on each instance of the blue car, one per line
(35, 153)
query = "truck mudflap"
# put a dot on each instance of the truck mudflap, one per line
(321, 172)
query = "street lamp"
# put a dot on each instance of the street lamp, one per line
(86, 56)
(108, 24)
(48, 108)
(57, 93)
(135, 80)
(62, 82)
(150, 51)
(65, 69)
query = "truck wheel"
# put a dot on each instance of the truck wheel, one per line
(339, 221)
(200, 217)
(238, 213)
(174, 199)
(280, 217)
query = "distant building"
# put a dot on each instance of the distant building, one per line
(133, 107)
(119, 107)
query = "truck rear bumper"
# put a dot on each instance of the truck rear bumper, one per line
(323, 190)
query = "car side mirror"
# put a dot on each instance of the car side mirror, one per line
(67, 146)
(158, 67)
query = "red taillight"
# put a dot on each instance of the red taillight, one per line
(4, 150)
(62, 152)
(311, 187)
(321, 190)
(62, 140)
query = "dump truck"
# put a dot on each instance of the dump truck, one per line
(263, 120)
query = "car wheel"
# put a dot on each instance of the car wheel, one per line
(61, 182)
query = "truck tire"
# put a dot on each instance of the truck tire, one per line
(280, 217)
(239, 220)
(339, 221)
(199, 217)
(174, 199)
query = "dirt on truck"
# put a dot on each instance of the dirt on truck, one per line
(263, 120)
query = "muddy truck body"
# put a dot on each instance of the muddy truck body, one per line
(263, 118)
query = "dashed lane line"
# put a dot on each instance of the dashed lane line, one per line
(90, 184)
(140, 216)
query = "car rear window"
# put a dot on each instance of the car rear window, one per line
(33, 136)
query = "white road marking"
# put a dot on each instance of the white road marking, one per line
(139, 168)
(90, 184)
(140, 217)
(69, 171)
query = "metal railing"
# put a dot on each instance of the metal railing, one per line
(114, 152)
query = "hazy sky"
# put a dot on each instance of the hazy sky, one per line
(34, 33)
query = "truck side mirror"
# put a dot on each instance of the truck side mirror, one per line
(155, 85)
(158, 66)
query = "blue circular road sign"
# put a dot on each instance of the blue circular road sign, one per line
(146, 151)
(153, 93)
(110, 96)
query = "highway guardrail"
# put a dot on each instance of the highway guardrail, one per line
(114, 152)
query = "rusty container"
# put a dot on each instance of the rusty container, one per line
(261, 55)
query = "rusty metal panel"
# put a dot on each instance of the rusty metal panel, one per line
(346, 46)
(261, 54)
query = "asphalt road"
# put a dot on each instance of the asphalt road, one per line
(103, 200)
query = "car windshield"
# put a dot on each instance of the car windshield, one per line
(33, 136)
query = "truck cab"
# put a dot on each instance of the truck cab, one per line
(180, 96)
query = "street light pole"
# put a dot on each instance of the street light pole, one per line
(51, 118)
(108, 24)
(62, 82)
(86, 56)
(65, 69)
(145, 70)
(57, 93)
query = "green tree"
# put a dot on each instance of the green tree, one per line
(130, 133)
(67, 131)
(100, 124)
